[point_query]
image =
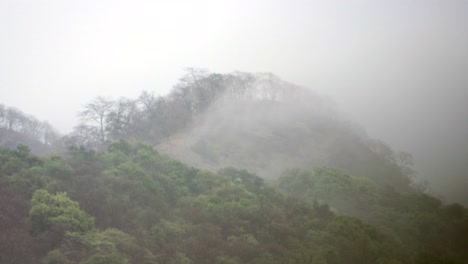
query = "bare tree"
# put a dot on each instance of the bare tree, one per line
(12, 117)
(97, 112)
(148, 103)
(84, 135)
(121, 120)
(30, 126)
(50, 136)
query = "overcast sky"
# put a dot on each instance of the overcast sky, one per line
(399, 68)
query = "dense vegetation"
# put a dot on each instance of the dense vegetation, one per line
(133, 205)
(249, 121)
(419, 221)
(316, 188)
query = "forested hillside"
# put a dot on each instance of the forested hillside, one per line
(250, 121)
(231, 168)
(19, 128)
(132, 205)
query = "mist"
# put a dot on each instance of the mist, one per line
(397, 68)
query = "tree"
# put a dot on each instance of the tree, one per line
(97, 112)
(12, 118)
(50, 136)
(152, 122)
(121, 120)
(55, 257)
(106, 258)
(57, 211)
(84, 135)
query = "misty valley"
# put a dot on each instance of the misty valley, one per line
(225, 168)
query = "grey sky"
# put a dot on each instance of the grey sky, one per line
(399, 68)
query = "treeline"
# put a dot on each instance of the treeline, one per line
(287, 126)
(17, 127)
(133, 205)
(151, 118)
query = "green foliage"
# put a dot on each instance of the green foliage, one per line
(167, 231)
(246, 239)
(57, 211)
(82, 153)
(112, 258)
(226, 260)
(180, 258)
(414, 220)
(229, 204)
(147, 208)
(16, 161)
(57, 168)
(100, 246)
(328, 185)
(121, 146)
(55, 257)
(251, 181)
(206, 182)
(104, 242)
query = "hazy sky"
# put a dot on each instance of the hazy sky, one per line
(399, 68)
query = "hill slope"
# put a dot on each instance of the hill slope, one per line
(269, 134)
(133, 205)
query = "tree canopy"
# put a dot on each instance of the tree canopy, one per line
(131, 204)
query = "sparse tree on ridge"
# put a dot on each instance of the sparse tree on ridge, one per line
(121, 119)
(96, 113)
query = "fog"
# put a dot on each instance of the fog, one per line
(398, 68)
